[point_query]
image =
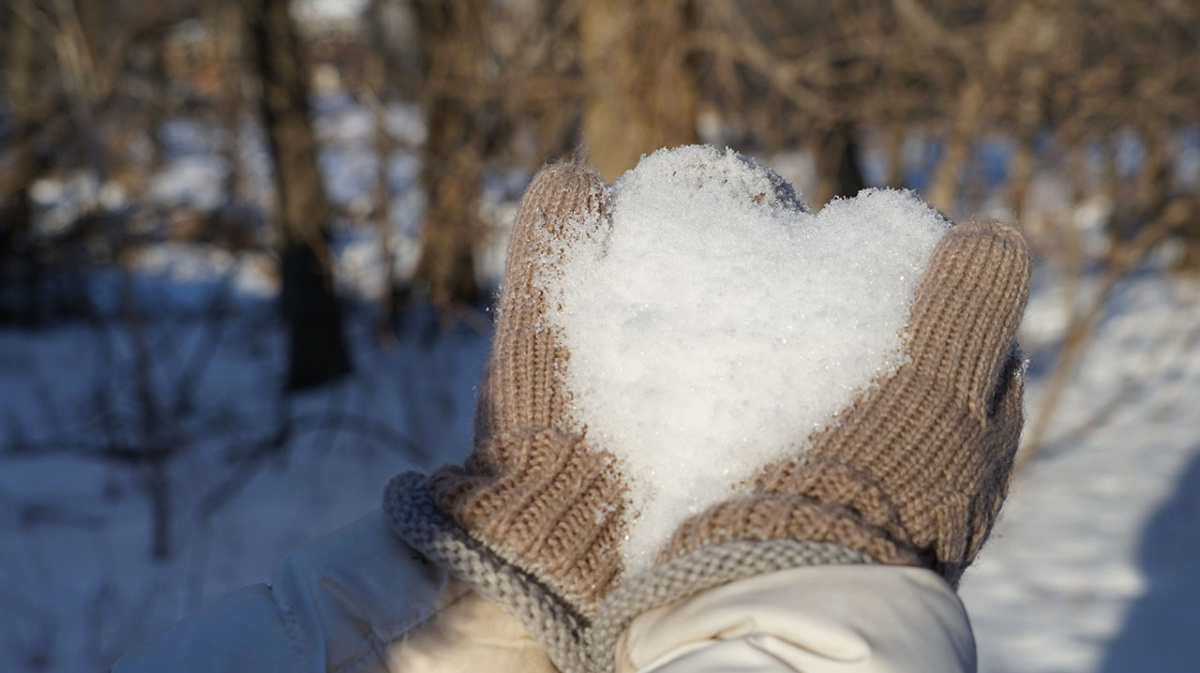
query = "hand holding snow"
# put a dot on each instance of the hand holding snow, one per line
(718, 324)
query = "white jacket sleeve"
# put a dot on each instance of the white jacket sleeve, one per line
(359, 600)
(822, 619)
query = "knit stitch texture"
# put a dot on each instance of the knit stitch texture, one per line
(915, 471)
(532, 488)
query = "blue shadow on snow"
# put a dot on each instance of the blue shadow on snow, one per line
(1161, 633)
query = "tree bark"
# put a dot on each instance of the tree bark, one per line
(376, 75)
(837, 163)
(1189, 261)
(16, 215)
(641, 79)
(318, 352)
(451, 37)
(943, 189)
(895, 154)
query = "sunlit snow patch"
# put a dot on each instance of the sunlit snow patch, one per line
(718, 323)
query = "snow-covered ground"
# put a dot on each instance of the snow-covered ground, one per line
(1094, 564)
(1091, 569)
(78, 584)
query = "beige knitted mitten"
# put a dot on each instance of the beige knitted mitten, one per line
(532, 487)
(532, 519)
(915, 471)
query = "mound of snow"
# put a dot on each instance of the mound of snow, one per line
(719, 323)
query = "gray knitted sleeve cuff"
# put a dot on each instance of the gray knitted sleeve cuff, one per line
(413, 516)
(706, 568)
(574, 642)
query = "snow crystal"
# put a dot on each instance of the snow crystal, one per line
(719, 323)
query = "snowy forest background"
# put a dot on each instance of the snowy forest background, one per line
(247, 252)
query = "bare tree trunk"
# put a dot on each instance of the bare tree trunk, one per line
(943, 189)
(451, 36)
(641, 79)
(229, 55)
(317, 346)
(837, 163)
(1029, 122)
(83, 81)
(16, 215)
(1021, 171)
(376, 76)
(1189, 261)
(895, 154)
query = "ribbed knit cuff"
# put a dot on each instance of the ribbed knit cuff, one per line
(800, 517)
(546, 503)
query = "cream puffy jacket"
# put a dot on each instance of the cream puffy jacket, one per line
(360, 600)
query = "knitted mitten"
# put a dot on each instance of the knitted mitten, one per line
(915, 471)
(532, 519)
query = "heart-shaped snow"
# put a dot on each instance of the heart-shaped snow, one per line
(719, 324)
